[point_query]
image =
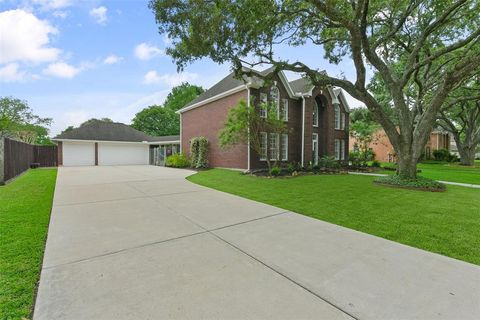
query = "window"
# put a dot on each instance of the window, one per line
(337, 116)
(284, 110)
(275, 97)
(339, 149)
(315, 114)
(284, 147)
(342, 125)
(274, 146)
(263, 105)
(263, 146)
(315, 148)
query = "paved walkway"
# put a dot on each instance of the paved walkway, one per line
(468, 185)
(141, 242)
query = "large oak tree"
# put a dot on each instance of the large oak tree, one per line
(435, 41)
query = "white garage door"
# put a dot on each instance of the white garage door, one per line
(78, 153)
(110, 154)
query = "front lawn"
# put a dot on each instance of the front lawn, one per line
(445, 171)
(443, 222)
(25, 206)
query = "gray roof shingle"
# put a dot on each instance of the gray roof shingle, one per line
(111, 131)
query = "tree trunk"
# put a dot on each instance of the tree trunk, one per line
(467, 155)
(406, 168)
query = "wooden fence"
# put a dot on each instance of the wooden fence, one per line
(19, 156)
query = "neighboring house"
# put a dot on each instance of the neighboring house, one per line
(384, 151)
(110, 143)
(317, 120)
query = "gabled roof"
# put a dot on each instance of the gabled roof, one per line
(302, 85)
(110, 131)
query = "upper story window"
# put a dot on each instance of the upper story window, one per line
(275, 98)
(284, 110)
(342, 123)
(263, 104)
(338, 120)
(315, 113)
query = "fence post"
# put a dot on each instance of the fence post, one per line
(2, 161)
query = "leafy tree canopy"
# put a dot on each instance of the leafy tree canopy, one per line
(162, 120)
(182, 95)
(18, 121)
(417, 48)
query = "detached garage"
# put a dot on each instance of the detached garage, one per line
(106, 144)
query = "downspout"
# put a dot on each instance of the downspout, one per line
(181, 133)
(303, 130)
(248, 129)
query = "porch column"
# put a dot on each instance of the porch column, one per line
(96, 153)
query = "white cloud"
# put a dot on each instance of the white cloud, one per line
(99, 14)
(112, 59)
(62, 70)
(60, 14)
(10, 73)
(171, 80)
(27, 38)
(145, 51)
(52, 4)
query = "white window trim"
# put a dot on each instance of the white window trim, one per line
(316, 110)
(342, 149)
(277, 147)
(284, 150)
(342, 120)
(337, 117)
(277, 103)
(285, 109)
(262, 136)
(315, 152)
(337, 149)
(263, 111)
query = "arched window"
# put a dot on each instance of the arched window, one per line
(275, 98)
(315, 113)
(337, 116)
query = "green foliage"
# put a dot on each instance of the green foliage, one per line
(199, 152)
(294, 166)
(275, 171)
(375, 164)
(419, 183)
(162, 120)
(177, 160)
(181, 95)
(444, 155)
(18, 121)
(25, 206)
(361, 158)
(244, 125)
(157, 121)
(91, 121)
(328, 162)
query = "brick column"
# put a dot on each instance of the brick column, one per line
(2, 161)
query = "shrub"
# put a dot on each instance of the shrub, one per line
(293, 166)
(418, 183)
(177, 160)
(441, 154)
(360, 159)
(275, 171)
(199, 152)
(328, 162)
(375, 164)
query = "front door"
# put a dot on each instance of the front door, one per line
(315, 148)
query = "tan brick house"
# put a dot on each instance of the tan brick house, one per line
(317, 119)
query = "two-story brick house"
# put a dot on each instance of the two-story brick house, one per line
(317, 120)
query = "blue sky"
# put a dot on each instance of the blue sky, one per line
(74, 60)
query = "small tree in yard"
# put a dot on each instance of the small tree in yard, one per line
(244, 125)
(364, 129)
(416, 48)
(199, 152)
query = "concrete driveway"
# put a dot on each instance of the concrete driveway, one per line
(141, 242)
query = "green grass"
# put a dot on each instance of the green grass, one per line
(443, 222)
(25, 206)
(447, 172)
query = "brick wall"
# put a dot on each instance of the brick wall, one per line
(207, 121)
